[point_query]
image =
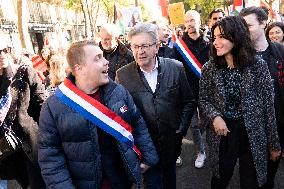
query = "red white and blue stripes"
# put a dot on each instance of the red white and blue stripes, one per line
(188, 56)
(5, 103)
(96, 113)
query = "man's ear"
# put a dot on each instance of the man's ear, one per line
(77, 68)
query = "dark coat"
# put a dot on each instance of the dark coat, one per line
(117, 58)
(257, 107)
(69, 151)
(168, 109)
(201, 50)
(276, 68)
(166, 52)
(27, 97)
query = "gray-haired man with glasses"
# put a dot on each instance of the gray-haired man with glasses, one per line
(161, 91)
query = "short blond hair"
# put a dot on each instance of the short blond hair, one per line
(76, 53)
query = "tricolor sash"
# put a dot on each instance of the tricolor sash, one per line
(96, 113)
(5, 103)
(188, 56)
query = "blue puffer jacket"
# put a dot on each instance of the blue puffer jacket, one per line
(69, 154)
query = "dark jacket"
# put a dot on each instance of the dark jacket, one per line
(257, 107)
(201, 50)
(69, 151)
(118, 57)
(166, 52)
(276, 68)
(27, 97)
(168, 109)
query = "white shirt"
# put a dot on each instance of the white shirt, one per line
(152, 76)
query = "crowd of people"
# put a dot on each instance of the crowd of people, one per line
(112, 114)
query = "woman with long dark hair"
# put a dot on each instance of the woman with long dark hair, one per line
(236, 95)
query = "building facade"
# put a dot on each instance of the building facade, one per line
(47, 24)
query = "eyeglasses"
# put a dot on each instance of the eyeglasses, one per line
(5, 50)
(142, 47)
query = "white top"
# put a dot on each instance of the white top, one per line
(152, 76)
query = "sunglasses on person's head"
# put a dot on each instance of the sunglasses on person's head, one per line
(5, 50)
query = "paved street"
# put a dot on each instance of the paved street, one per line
(188, 177)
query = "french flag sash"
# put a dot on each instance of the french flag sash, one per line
(96, 113)
(188, 56)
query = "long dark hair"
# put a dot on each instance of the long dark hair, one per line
(234, 29)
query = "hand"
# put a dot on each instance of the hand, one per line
(220, 126)
(144, 167)
(275, 155)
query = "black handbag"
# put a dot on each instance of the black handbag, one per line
(9, 144)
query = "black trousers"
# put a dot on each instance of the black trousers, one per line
(18, 167)
(160, 176)
(272, 168)
(232, 147)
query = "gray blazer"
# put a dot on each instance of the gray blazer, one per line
(258, 112)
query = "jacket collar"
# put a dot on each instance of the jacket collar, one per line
(161, 70)
(161, 63)
(105, 90)
(275, 50)
(200, 42)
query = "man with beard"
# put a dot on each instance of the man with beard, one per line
(196, 44)
(114, 51)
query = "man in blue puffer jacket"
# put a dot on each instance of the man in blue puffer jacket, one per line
(74, 151)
